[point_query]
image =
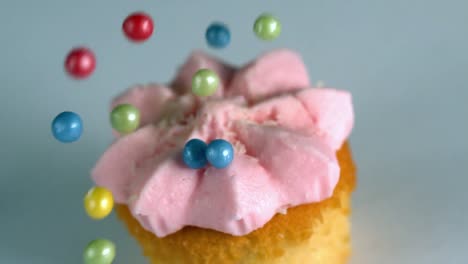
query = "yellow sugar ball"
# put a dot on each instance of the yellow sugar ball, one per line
(98, 202)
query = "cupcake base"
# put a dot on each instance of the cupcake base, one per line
(316, 233)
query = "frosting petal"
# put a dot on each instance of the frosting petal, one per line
(239, 198)
(271, 74)
(286, 111)
(165, 198)
(117, 168)
(305, 167)
(332, 113)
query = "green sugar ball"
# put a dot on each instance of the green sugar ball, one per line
(99, 251)
(205, 82)
(125, 118)
(267, 27)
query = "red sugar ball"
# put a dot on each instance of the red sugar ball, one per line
(80, 62)
(138, 27)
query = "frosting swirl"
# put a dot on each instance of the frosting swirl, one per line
(285, 136)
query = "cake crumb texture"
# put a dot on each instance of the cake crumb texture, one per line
(316, 233)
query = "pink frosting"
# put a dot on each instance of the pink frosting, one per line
(285, 136)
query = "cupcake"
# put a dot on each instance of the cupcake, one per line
(283, 193)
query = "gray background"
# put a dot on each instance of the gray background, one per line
(405, 61)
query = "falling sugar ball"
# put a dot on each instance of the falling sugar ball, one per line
(138, 27)
(218, 36)
(205, 82)
(99, 251)
(267, 27)
(67, 127)
(98, 202)
(125, 118)
(80, 63)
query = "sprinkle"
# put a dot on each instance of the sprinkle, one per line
(98, 203)
(205, 82)
(99, 251)
(80, 63)
(67, 127)
(218, 35)
(220, 153)
(138, 27)
(267, 27)
(125, 118)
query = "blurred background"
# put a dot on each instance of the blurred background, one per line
(405, 61)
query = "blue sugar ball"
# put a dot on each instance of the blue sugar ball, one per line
(220, 153)
(218, 36)
(67, 127)
(194, 154)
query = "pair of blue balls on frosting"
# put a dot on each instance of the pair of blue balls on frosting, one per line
(219, 153)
